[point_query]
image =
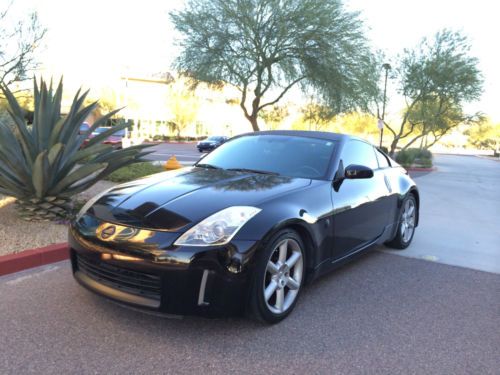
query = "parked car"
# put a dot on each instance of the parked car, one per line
(246, 227)
(211, 143)
(84, 127)
(114, 140)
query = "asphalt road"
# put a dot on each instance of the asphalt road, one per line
(381, 314)
(186, 153)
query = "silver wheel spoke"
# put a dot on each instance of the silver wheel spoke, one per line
(282, 251)
(280, 299)
(411, 210)
(280, 288)
(270, 289)
(293, 259)
(272, 268)
(292, 284)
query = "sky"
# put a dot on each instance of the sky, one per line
(91, 42)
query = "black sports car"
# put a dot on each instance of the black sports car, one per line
(244, 228)
(211, 143)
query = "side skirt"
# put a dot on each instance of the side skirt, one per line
(329, 265)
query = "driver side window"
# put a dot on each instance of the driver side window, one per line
(358, 152)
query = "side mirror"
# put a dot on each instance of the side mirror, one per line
(355, 171)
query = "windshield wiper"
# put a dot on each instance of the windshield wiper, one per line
(253, 171)
(208, 166)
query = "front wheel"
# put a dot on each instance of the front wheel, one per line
(406, 224)
(278, 278)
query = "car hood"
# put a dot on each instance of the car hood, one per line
(173, 200)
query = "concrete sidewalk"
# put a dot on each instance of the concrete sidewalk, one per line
(459, 214)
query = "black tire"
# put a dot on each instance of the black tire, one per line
(258, 307)
(400, 241)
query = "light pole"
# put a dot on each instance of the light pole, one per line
(387, 67)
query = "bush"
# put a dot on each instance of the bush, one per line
(134, 171)
(384, 149)
(414, 156)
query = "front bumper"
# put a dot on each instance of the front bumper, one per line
(186, 281)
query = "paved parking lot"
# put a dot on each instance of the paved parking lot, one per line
(186, 153)
(460, 213)
(382, 314)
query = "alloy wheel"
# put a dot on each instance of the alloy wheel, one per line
(283, 276)
(408, 220)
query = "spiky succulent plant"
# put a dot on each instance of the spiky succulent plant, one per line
(45, 164)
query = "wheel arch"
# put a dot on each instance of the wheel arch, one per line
(416, 194)
(301, 228)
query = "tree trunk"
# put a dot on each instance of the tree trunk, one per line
(394, 143)
(253, 120)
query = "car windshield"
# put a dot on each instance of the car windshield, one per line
(291, 156)
(213, 138)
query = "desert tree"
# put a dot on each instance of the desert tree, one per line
(19, 40)
(274, 116)
(436, 80)
(485, 135)
(184, 105)
(266, 48)
(317, 116)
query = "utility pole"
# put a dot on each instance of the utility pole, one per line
(387, 67)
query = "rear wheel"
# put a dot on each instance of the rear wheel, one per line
(406, 224)
(278, 278)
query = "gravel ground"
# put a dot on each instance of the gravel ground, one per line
(17, 235)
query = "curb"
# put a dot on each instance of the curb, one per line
(492, 158)
(33, 258)
(171, 142)
(417, 169)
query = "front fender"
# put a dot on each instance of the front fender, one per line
(308, 212)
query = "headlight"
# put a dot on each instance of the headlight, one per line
(219, 228)
(89, 204)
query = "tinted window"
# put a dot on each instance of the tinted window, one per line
(288, 156)
(361, 153)
(382, 159)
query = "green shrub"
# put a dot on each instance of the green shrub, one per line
(134, 171)
(384, 149)
(414, 156)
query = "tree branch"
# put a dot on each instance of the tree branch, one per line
(282, 93)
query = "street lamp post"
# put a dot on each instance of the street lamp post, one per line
(387, 67)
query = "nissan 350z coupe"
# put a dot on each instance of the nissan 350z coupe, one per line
(246, 227)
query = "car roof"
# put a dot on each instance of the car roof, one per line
(303, 133)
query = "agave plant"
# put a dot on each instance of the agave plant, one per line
(45, 164)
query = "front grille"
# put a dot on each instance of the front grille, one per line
(133, 282)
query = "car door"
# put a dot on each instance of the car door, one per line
(391, 198)
(360, 205)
